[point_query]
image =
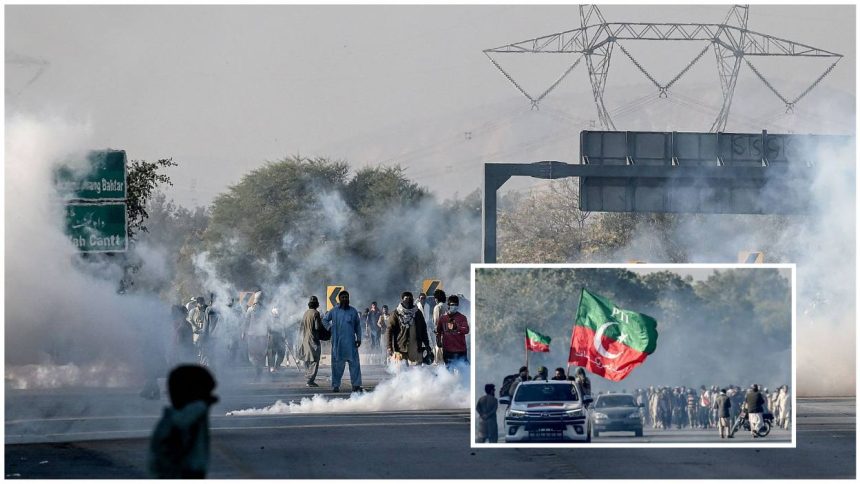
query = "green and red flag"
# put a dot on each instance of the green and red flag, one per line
(537, 342)
(610, 341)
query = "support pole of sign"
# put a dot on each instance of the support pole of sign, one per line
(493, 180)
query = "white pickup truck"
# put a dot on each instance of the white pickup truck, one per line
(547, 411)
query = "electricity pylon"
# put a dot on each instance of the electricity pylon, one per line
(733, 44)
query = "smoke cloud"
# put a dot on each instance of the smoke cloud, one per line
(65, 322)
(412, 388)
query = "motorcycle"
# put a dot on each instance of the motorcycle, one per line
(743, 422)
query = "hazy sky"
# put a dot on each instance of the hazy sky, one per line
(222, 89)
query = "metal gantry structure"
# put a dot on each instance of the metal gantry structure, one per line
(733, 44)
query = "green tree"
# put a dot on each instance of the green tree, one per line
(144, 177)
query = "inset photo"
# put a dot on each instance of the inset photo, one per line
(681, 355)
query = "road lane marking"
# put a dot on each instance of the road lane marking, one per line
(434, 414)
(146, 432)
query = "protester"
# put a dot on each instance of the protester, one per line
(451, 331)
(179, 446)
(277, 346)
(371, 325)
(583, 382)
(423, 306)
(783, 419)
(559, 374)
(438, 310)
(407, 332)
(542, 374)
(723, 405)
(692, 408)
(309, 347)
(345, 327)
(755, 406)
(196, 319)
(487, 407)
(256, 334)
(522, 376)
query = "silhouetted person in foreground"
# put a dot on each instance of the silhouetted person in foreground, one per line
(179, 447)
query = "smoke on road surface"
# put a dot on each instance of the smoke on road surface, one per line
(411, 388)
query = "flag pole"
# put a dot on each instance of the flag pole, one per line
(527, 349)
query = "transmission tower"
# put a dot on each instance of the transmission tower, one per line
(22, 61)
(732, 44)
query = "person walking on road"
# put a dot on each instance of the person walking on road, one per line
(309, 347)
(488, 429)
(784, 407)
(372, 329)
(439, 309)
(345, 326)
(407, 332)
(451, 331)
(723, 405)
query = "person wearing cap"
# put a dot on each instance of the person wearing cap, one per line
(451, 330)
(345, 326)
(179, 446)
(196, 316)
(309, 347)
(522, 376)
(488, 429)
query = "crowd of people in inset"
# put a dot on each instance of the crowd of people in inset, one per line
(660, 407)
(714, 407)
(414, 333)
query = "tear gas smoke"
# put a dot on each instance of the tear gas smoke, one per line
(412, 388)
(380, 276)
(65, 322)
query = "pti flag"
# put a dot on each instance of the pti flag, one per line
(610, 341)
(537, 342)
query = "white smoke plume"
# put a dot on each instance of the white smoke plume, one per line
(63, 313)
(413, 388)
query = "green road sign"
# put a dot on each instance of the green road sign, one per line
(106, 179)
(97, 227)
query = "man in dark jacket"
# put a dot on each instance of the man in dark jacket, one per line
(723, 405)
(407, 332)
(755, 407)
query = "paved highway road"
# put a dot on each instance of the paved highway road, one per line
(104, 434)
